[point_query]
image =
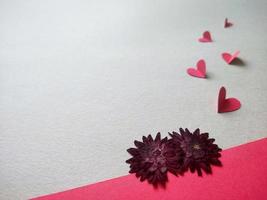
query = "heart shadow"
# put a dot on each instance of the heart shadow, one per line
(238, 62)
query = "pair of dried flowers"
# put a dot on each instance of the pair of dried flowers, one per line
(153, 158)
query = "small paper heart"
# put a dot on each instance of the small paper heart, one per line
(227, 23)
(200, 71)
(206, 37)
(227, 105)
(228, 57)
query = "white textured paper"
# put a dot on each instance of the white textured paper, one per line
(81, 80)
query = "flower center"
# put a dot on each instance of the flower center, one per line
(157, 157)
(196, 147)
(157, 152)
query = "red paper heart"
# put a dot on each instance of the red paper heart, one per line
(227, 23)
(227, 105)
(200, 72)
(228, 57)
(206, 37)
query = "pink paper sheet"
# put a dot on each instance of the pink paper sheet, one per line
(242, 177)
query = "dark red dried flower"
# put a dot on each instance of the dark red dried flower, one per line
(199, 151)
(153, 158)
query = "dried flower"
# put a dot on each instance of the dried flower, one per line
(153, 158)
(199, 151)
